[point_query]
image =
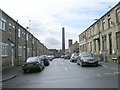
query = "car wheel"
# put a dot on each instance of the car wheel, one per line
(78, 62)
(47, 64)
(24, 71)
(43, 67)
(96, 65)
(81, 64)
(39, 69)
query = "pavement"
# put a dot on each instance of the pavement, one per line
(110, 64)
(13, 72)
(10, 73)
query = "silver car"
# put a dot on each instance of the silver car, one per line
(86, 58)
(74, 57)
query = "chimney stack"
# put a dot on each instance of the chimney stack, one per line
(70, 42)
(63, 39)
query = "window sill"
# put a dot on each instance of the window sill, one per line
(4, 56)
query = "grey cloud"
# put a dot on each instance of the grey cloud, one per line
(52, 42)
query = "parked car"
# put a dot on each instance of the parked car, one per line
(67, 56)
(50, 57)
(62, 56)
(74, 57)
(86, 58)
(45, 60)
(33, 63)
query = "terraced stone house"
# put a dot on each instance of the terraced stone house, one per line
(16, 43)
(103, 36)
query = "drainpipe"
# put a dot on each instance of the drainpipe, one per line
(16, 42)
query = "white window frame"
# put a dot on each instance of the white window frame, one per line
(13, 27)
(4, 50)
(19, 32)
(103, 24)
(3, 24)
(27, 36)
(10, 24)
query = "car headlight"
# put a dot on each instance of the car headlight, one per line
(23, 65)
(96, 59)
(36, 63)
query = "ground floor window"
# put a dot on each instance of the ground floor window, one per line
(118, 40)
(94, 45)
(4, 49)
(20, 50)
(104, 43)
(90, 46)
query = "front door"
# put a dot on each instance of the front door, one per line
(110, 43)
(12, 56)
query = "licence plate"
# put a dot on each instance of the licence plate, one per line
(29, 65)
(91, 62)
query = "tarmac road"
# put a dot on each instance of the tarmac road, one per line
(62, 73)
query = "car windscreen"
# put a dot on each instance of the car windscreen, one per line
(41, 57)
(34, 59)
(86, 55)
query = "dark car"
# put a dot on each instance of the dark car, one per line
(45, 60)
(86, 58)
(33, 63)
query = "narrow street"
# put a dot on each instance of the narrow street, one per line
(61, 73)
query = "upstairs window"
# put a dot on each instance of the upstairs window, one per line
(18, 32)
(98, 26)
(94, 30)
(90, 32)
(118, 16)
(27, 36)
(2, 24)
(109, 21)
(13, 27)
(9, 27)
(103, 24)
(33, 41)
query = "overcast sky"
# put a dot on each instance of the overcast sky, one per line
(47, 17)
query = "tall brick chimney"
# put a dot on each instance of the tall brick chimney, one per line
(63, 39)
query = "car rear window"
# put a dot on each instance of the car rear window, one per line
(34, 59)
(86, 54)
